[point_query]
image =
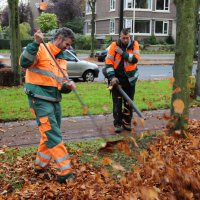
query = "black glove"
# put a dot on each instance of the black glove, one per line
(114, 81)
(67, 87)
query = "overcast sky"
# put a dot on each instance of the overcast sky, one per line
(4, 3)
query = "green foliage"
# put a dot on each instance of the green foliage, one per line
(76, 25)
(7, 32)
(25, 30)
(84, 42)
(47, 22)
(169, 40)
(108, 40)
(152, 40)
(0, 28)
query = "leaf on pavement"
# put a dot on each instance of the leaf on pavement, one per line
(2, 130)
(142, 121)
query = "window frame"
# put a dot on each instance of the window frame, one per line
(138, 9)
(156, 10)
(162, 34)
(112, 5)
(139, 34)
(112, 22)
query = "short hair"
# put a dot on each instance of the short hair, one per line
(125, 31)
(65, 32)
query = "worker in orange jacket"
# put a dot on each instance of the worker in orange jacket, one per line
(44, 84)
(121, 68)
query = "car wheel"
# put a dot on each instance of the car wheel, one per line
(100, 60)
(88, 76)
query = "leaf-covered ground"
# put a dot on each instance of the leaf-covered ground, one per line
(168, 169)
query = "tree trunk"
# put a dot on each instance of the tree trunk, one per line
(182, 69)
(197, 84)
(15, 43)
(121, 18)
(92, 5)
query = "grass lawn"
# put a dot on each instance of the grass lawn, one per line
(149, 95)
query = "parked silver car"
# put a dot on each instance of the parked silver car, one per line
(80, 68)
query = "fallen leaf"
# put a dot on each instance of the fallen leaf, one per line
(177, 90)
(2, 130)
(142, 121)
(85, 110)
(118, 167)
(106, 161)
(2, 152)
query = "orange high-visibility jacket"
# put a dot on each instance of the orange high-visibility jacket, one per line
(45, 72)
(114, 58)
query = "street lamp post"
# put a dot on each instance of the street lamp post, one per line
(133, 19)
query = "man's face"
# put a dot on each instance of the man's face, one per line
(125, 38)
(63, 43)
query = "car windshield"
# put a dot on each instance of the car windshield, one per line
(70, 57)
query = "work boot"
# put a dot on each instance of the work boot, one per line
(42, 173)
(64, 179)
(126, 127)
(118, 129)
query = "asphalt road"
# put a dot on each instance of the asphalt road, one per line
(151, 72)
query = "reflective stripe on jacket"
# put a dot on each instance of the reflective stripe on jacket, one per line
(45, 72)
(114, 58)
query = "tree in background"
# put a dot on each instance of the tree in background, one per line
(92, 4)
(0, 28)
(24, 14)
(5, 17)
(47, 22)
(182, 69)
(66, 10)
(76, 24)
(15, 44)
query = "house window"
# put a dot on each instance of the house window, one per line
(128, 23)
(139, 4)
(141, 26)
(88, 8)
(162, 5)
(161, 27)
(112, 26)
(112, 4)
(88, 27)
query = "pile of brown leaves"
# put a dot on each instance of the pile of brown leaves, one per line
(168, 169)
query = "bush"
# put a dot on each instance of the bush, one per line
(25, 30)
(108, 40)
(47, 22)
(152, 40)
(84, 42)
(169, 40)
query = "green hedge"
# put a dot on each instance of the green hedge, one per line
(5, 44)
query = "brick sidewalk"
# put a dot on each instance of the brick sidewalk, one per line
(25, 133)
